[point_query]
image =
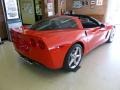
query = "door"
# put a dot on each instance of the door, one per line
(93, 37)
(3, 31)
(56, 6)
(94, 31)
(50, 8)
(39, 7)
(27, 11)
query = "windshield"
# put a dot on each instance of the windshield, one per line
(54, 23)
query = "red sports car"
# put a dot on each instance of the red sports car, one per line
(61, 41)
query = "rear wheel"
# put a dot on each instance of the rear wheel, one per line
(73, 58)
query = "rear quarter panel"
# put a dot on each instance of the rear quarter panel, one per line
(60, 44)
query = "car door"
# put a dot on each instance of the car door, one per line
(92, 37)
(95, 33)
(103, 34)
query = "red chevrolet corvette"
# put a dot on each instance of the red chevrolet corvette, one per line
(61, 41)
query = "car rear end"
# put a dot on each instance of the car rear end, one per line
(33, 47)
(45, 41)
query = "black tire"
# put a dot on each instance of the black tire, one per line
(71, 55)
(112, 34)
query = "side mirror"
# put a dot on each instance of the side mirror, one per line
(102, 25)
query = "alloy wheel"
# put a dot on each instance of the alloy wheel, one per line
(75, 57)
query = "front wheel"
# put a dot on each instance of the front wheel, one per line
(111, 37)
(73, 58)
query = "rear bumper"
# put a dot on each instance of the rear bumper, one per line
(50, 60)
(47, 63)
(29, 60)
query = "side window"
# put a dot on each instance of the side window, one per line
(68, 23)
(88, 22)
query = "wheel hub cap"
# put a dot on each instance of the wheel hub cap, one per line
(75, 57)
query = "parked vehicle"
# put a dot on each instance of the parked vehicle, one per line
(61, 41)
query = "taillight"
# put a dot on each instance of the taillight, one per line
(41, 44)
(32, 42)
(38, 43)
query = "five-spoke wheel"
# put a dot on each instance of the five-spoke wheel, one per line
(73, 57)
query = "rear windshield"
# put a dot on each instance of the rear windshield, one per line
(54, 24)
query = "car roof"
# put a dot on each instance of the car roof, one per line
(58, 16)
(78, 15)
